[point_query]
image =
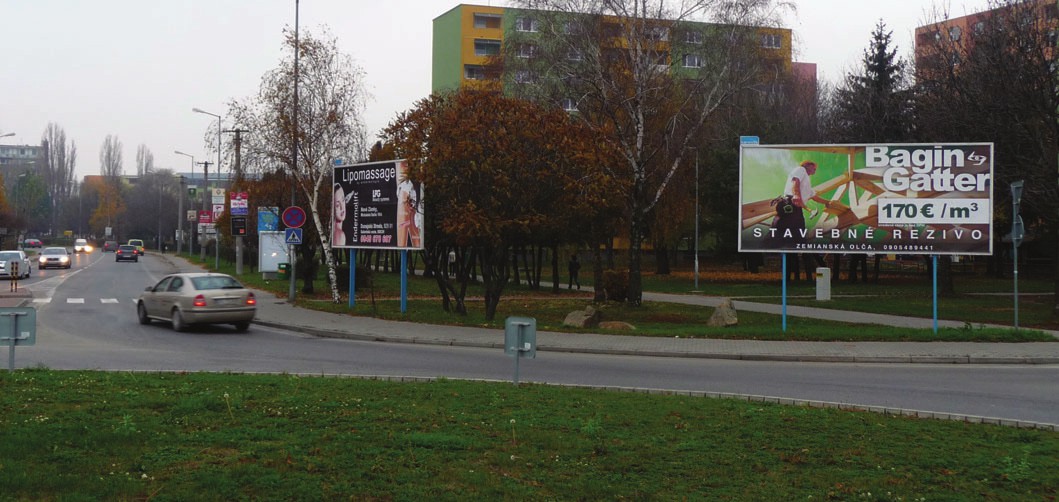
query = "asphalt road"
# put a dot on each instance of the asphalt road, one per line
(86, 320)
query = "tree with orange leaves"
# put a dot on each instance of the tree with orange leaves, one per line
(499, 173)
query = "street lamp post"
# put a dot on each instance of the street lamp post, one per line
(217, 231)
(191, 240)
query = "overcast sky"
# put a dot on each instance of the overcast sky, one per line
(136, 68)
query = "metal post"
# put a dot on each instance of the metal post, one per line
(696, 220)
(934, 259)
(404, 281)
(180, 218)
(784, 293)
(294, 155)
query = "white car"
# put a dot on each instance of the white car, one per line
(81, 246)
(11, 259)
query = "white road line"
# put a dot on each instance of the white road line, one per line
(42, 300)
(108, 300)
(75, 300)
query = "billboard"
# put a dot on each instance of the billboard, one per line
(872, 198)
(375, 205)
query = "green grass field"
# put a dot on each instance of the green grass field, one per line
(178, 437)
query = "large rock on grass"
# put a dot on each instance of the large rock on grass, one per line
(724, 315)
(588, 318)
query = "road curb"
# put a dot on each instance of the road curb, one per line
(806, 358)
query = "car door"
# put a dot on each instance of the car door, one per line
(173, 295)
(152, 299)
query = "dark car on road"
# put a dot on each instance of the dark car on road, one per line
(54, 257)
(110, 246)
(126, 252)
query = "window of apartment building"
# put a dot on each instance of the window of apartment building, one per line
(657, 33)
(693, 37)
(979, 27)
(525, 77)
(527, 51)
(486, 21)
(473, 72)
(571, 28)
(526, 24)
(486, 47)
(771, 41)
(954, 33)
(692, 61)
(570, 104)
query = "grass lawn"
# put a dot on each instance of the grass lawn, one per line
(122, 436)
(897, 293)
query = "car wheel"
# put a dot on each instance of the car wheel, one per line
(242, 326)
(141, 312)
(178, 321)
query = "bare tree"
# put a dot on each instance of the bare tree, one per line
(649, 74)
(329, 126)
(144, 160)
(60, 163)
(110, 158)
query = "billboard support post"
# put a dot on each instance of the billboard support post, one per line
(783, 293)
(934, 267)
(404, 281)
(352, 277)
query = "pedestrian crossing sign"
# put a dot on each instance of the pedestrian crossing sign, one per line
(293, 236)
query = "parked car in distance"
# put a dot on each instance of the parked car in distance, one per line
(82, 246)
(32, 243)
(9, 260)
(139, 245)
(197, 298)
(110, 246)
(53, 257)
(126, 252)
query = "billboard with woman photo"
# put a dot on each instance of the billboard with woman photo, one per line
(375, 205)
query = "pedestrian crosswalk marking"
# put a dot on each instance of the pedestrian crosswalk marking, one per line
(42, 300)
(75, 300)
(109, 300)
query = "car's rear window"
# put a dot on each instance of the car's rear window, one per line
(218, 282)
(126, 247)
(10, 256)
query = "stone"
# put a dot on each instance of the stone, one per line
(588, 318)
(724, 315)
(617, 325)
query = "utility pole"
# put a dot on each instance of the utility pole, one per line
(205, 198)
(235, 189)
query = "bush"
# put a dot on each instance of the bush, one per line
(616, 285)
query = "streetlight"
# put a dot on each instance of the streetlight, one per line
(191, 241)
(18, 202)
(217, 231)
(6, 135)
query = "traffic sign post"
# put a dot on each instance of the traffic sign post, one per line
(520, 339)
(293, 217)
(18, 326)
(292, 236)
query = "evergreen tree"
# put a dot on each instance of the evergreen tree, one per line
(874, 106)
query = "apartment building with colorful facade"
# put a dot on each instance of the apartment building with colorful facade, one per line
(468, 40)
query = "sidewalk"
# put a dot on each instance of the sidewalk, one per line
(276, 312)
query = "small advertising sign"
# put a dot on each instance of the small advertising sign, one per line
(240, 204)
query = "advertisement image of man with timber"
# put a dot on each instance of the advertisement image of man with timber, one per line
(881, 198)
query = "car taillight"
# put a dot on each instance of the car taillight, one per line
(250, 300)
(200, 301)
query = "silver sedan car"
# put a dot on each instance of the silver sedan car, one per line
(197, 298)
(10, 260)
